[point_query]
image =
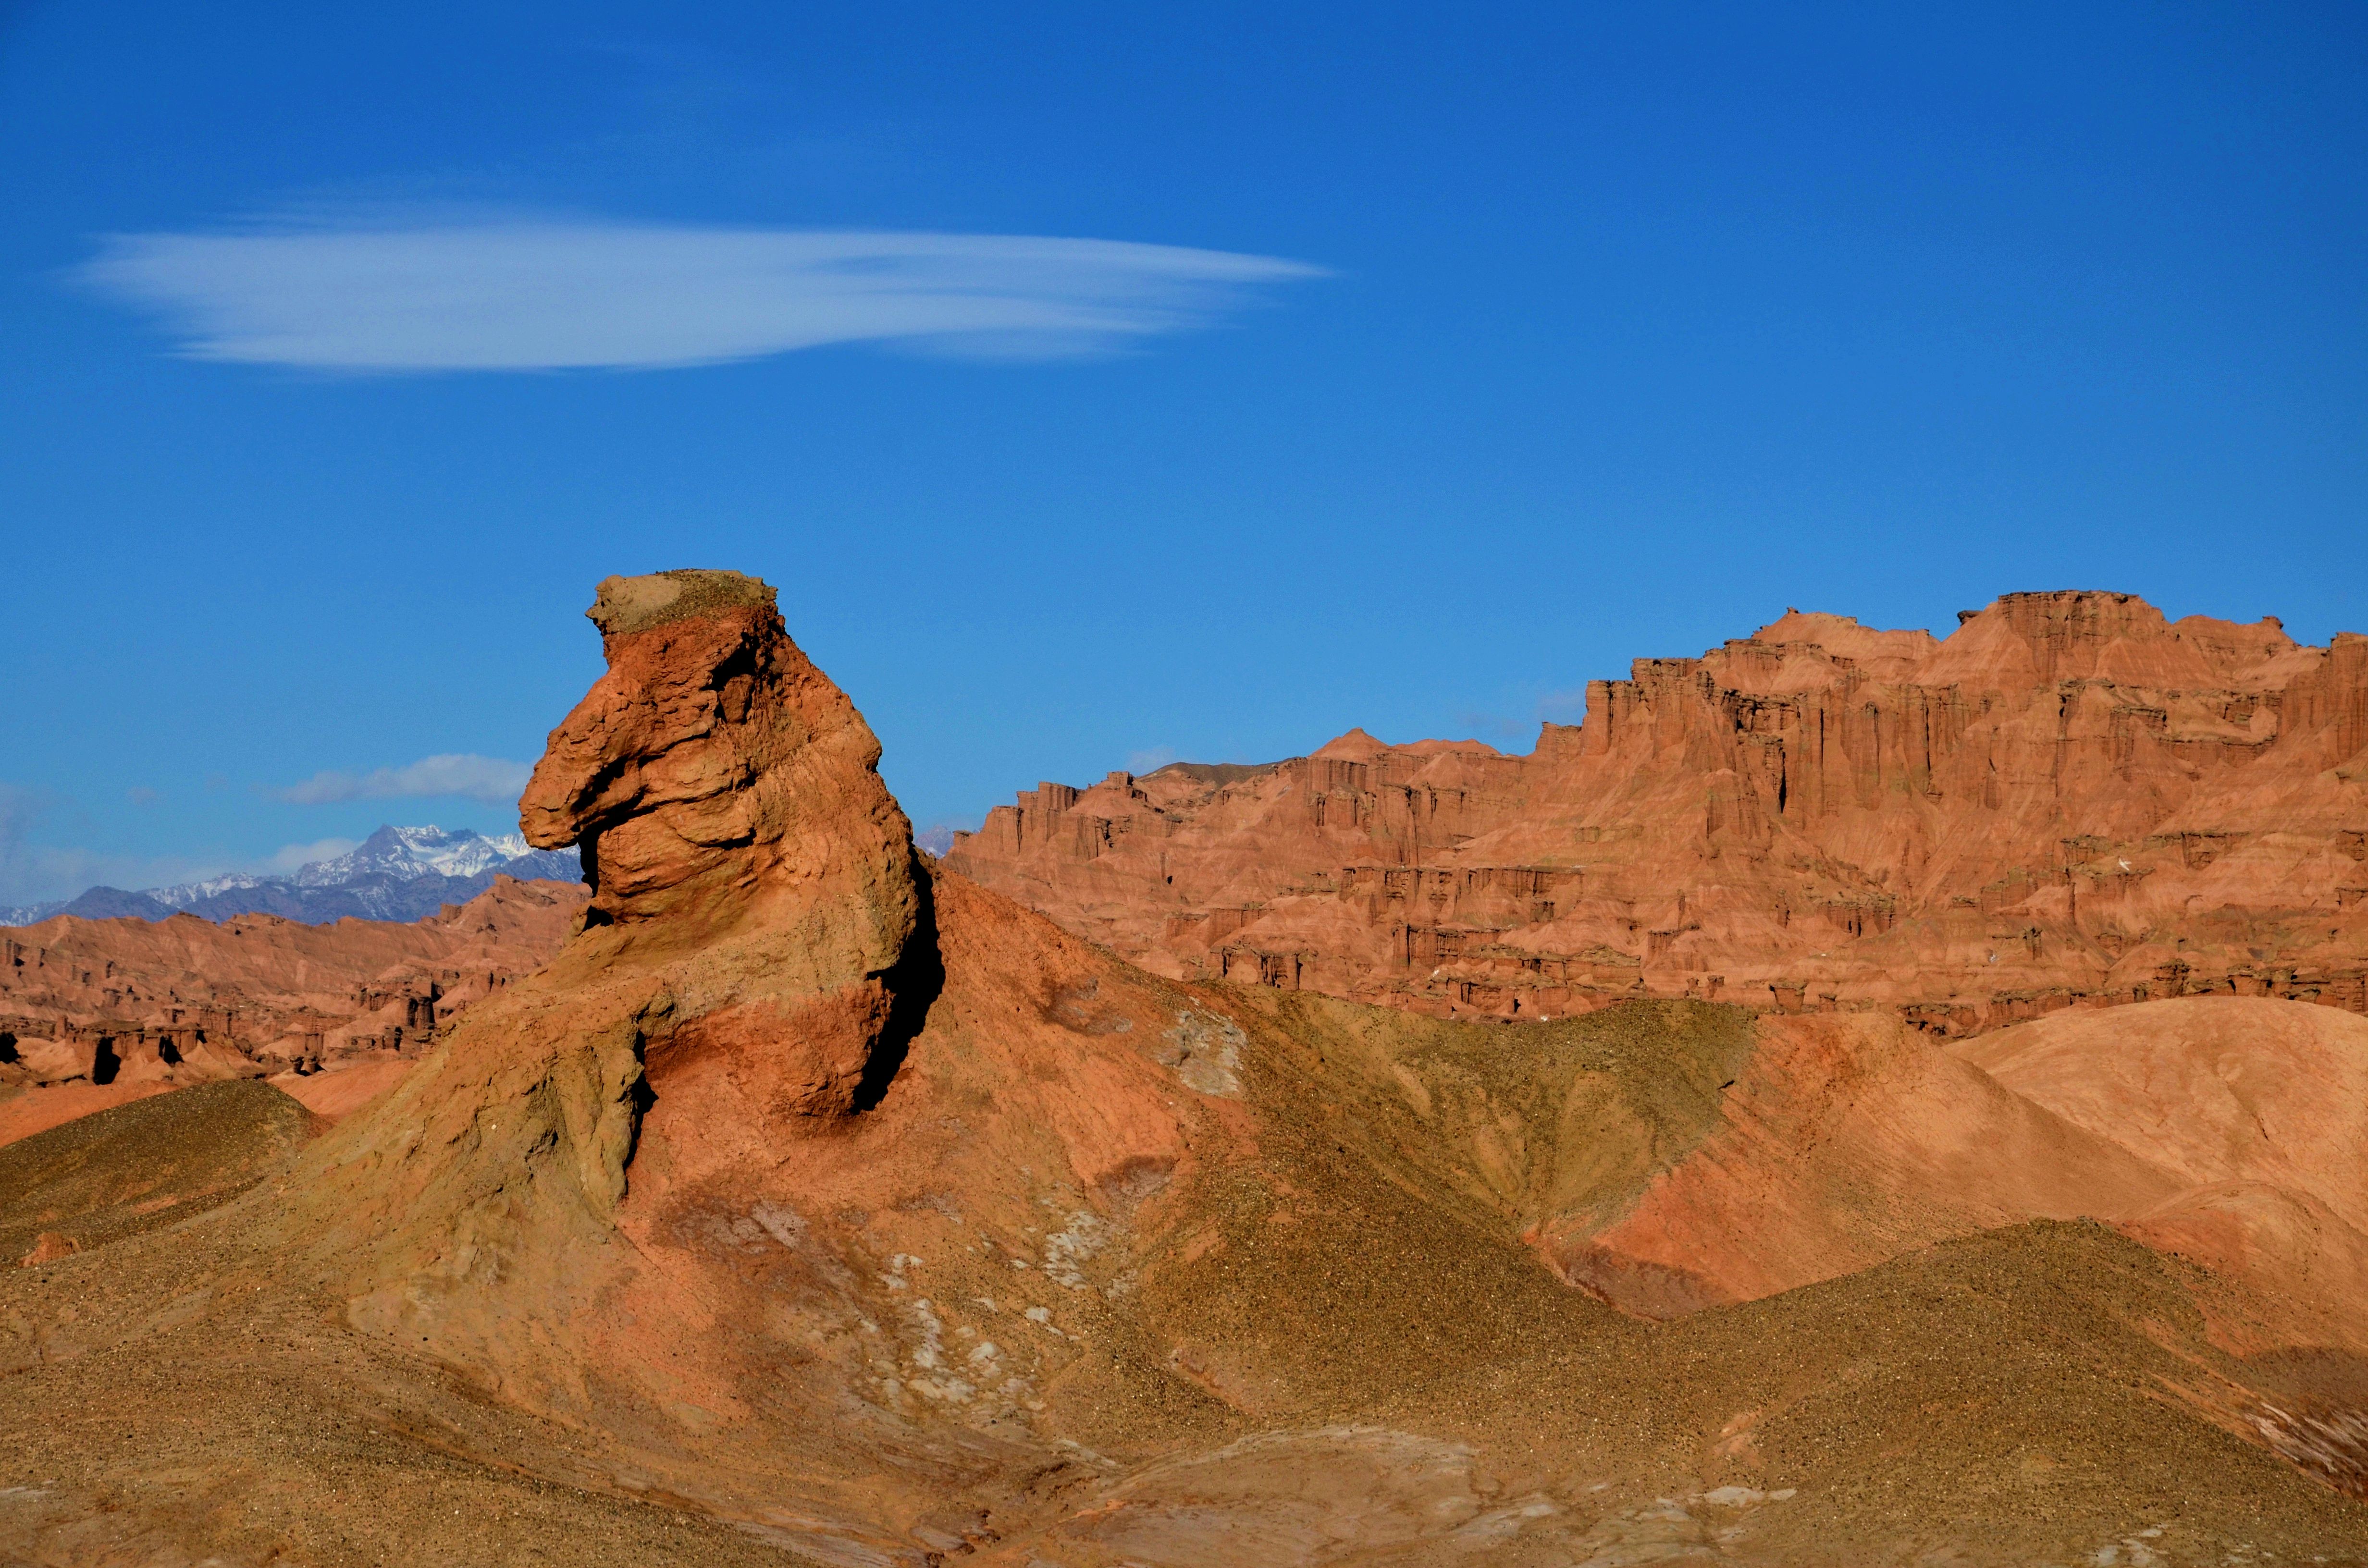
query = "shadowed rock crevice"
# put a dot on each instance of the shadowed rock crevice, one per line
(913, 985)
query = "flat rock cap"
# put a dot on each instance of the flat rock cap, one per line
(626, 605)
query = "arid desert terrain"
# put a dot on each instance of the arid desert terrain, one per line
(1857, 1098)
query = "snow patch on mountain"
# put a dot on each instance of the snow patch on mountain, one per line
(415, 852)
(397, 873)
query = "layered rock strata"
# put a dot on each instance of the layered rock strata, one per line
(822, 1191)
(719, 786)
(757, 950)
(2068, 801)
(96, 1011)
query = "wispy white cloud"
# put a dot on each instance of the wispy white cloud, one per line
(431, 292)
(494, 780)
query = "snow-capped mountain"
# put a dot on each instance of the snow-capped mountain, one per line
(186, 893)
(406, 852)
(397, 873)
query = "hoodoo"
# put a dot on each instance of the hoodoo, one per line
(677, 1186)
(722, 789)
(713, 773)
(755, 954)
(817, 1204)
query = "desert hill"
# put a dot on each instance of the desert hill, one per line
(2070, 800)
(818, 1204)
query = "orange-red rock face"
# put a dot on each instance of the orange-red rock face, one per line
(721, 789)
(2259, 1112)
(95, 1012)
(2070, 799)
(726, 1028)
(2229, 1131)
(714, 771)
(854, 1202)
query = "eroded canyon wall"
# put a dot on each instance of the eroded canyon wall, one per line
(2070, 800)
(162, 1003)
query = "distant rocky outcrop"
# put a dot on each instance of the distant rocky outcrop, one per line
(2068, 801)
(397, 873)
(818, 1193)
(94, 1012)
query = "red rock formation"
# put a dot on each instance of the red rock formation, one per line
(718, 783)
(2229, 1131)
(97, 1012)
(1842, 1142)
(2070, 800)
(667, 1173)
(761, 920)
(828, 1193)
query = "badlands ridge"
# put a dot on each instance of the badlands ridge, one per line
(820, 1203)
(97, 1012)
(2070, 800)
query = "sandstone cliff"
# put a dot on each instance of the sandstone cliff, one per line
(797, 1125)
(819, 1192)
(2070, 800)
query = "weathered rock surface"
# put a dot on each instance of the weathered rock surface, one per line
(727, 798)
(148, 1165)
(756, 955)
(2229, 1131)
(2070, 801)
(714, 772)
(1841, 1143)
(94, 1013)
(823, 1193)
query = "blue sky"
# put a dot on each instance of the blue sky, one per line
(1100, 385)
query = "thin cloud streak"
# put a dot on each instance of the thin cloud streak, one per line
(492, 780)
(520, 294)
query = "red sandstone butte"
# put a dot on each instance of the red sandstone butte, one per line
(761, 952)
(2068, 801)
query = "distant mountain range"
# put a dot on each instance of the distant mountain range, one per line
(397, 873)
